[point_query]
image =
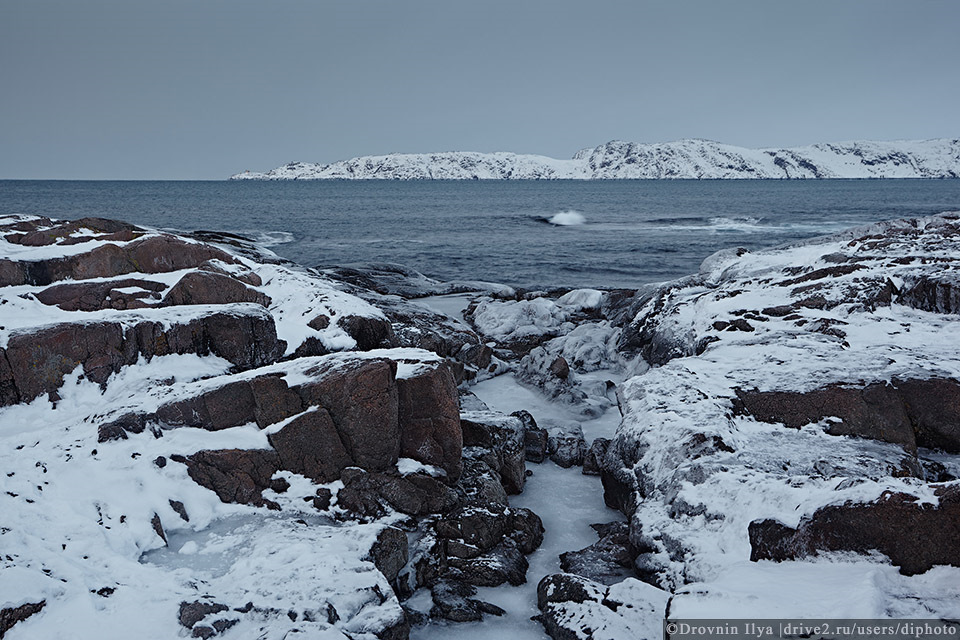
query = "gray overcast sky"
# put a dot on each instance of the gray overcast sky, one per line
(201, 89)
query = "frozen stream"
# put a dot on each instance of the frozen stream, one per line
(567, 501)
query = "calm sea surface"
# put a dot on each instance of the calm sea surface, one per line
(629, 232)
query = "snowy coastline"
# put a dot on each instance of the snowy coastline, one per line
(680, 160)
(202, 439)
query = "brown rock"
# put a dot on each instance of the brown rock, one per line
(910, 413)
(35, 363)
(235, 475)
(202, 287)
(429, 419)
(154, 254)
(914, 536)
(319, 323)
(93, 296)
(13, 615)
(309, 445)
(361, 397)
(368, 493)
(246, 277)
(559, 368)
(62, 231)
(370, 333)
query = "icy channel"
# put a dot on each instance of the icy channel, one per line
(567, 501)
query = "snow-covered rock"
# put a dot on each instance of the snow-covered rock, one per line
(682, 159)
(199, 438)
(800, 394)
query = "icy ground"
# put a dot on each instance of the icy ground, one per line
(566, 500)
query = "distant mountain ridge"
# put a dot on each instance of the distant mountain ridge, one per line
(682, 159)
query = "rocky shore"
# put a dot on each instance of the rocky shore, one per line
(200, 439)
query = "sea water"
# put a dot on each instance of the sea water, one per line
(523, 233)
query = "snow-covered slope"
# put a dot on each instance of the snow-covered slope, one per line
(683, 159)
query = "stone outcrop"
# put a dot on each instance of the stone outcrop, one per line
(152, 254)
(429, 418)
(497, 440)
(94, 296)
(207, 287)
(35, 363)
(235, 475)
(910, 413)
(12, 615)
(915, 536)
(576, 608)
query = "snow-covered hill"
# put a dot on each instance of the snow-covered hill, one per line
(683, 159)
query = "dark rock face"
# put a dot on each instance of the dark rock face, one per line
(34, 235)
(13, 615)
(910, 413)
(390, 552)
(94, 296)
(594, 456)
(310, 445)
(566, 444)
(155, 254)
(193, 612)
(452, 601)
(498, 441)
(205, 287)
(914, 536)
(430, 420)
(370, 333)
(235, 475)
(535, 439)
(367, 494)
(607, 561)
(361, 398)
(939, 294)
(36, 362)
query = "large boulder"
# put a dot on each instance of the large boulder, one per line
(207, 287)
(235, 475)
(576, 608)
(361, 397)
(429, 417)
(127, 293)
(152, 254)
(911, 413)
(37, 361)
(498, 440)
(915, 536)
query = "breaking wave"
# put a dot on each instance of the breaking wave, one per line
(271, 238)
(567, 219)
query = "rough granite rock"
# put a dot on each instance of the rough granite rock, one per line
(911, 413)
(362, 401)
(429, 419)
(370, 494)
(452, 601)
(390, 552)
(594, 456)
(498, 440)
(94, 296)
(607, 561)
(153, 254)
(913, 535)
(12, 615)
(575, 608)
(205, 287)
(235, 475)
(37, 361)
(565, 443)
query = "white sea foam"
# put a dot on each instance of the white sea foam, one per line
(272, 238)
(568, 218)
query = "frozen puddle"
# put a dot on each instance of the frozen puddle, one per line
(567, 501)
